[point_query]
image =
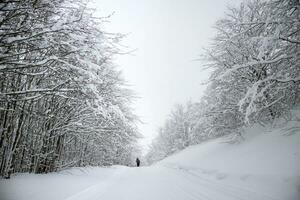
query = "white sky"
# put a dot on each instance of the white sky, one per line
(168, 35)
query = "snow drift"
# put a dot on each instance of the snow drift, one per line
(267, 161)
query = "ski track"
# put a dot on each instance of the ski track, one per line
(158, 182)
(95, 191)
(233, 192)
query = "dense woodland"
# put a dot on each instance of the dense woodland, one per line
(255, 63)
(63, 103)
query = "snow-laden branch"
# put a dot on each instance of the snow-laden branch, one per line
(38, 91)
(254, 63)
(22, 65)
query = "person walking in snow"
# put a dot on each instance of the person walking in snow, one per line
(137, 162)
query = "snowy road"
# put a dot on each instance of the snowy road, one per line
(162, 183)
(264, 167)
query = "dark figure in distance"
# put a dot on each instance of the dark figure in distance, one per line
(137, 162)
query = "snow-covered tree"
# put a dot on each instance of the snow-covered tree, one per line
(255, 62)
(257, 45)
(62, 101)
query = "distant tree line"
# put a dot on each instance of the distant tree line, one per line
(62, 101)
(255, 62)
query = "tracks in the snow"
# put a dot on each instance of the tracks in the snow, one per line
(159, 182)
(213, 188)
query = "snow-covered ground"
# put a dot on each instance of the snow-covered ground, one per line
(263, 167)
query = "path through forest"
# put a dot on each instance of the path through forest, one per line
(159, 182)
(265, 166)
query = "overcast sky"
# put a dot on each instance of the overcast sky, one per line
(168, 35)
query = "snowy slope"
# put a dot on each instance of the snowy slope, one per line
(267, 162)
(266, 166)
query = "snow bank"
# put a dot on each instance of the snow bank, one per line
(268, 160)
(270, 152)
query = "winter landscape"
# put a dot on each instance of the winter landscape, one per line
(149, 100)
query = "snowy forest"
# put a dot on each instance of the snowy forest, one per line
(149, 99)
(255, 64)
(63, 102)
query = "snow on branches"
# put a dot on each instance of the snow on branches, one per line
(255, 62)
(62, 101)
